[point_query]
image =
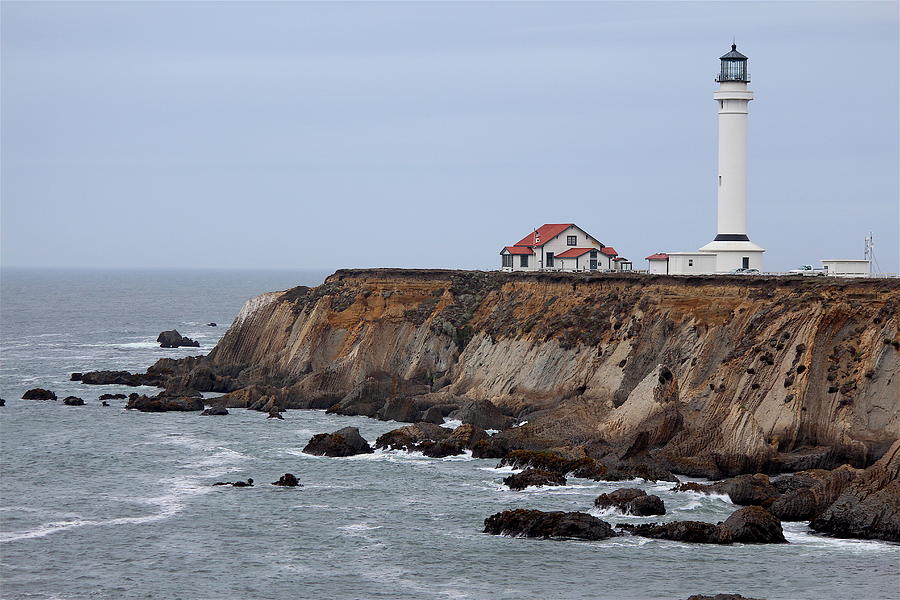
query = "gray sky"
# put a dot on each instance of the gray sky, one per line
(432, 134)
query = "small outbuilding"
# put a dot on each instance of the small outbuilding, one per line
(847, 267)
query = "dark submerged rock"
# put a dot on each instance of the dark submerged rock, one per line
(2, 402)
(75, 377)
(287, 480)
(695, 532)
(112, 396)
(173, 339)
(73, 401)
(748, 525)
(646, 505)
(248, 483)
(721, 597)
(214, 411)
(539, 524)
(753, 525)
(163, 403)
(104, 403)
(343, 442)
(39, 394)
(211, 325)
(534, 477)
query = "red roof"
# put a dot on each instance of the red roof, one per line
(545, 233)
(620, 258)
(574, 252)
(658, 256)
(609, 251)
(518, 250)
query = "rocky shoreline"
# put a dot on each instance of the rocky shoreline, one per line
(607, 377)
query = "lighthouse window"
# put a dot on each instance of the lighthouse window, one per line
(690, 262)
(720, 180)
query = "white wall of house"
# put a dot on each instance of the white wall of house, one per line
(691, 263)
(729, 260)
(559, 244)
(847, 267)
(659, 266)
(517, 262)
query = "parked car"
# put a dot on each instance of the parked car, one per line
(745, 271)
(807, 271)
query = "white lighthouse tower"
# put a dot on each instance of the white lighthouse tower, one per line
(731, 245)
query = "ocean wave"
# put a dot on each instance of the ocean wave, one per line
(169, 504)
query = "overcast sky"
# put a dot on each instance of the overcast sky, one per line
(175, 134)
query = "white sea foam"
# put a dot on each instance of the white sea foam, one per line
(452, 423)
(169, 505)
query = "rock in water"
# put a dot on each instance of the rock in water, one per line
(749, 525)
(274, 414)
(163, 403)
(343, 442)
(2, 402)
(104, 403)
(753, 525)
(632, 501)
(646, 505)
(869, 507)
(695, 532)
(720, 597)
(75, 377)
(534, 477)
(412, 437)
(112, 396)
(248, 483)
(173, 339)
(540, 524)
(214, 410)
(73, 401)
(287, 480)
(39, 394)
(210, 324)
(463, 438)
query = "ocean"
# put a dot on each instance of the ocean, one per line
(100, 502)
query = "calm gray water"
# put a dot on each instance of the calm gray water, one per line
(106, 503)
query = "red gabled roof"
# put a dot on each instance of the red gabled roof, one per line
(620, 258)
(658, 256)
(574, 252)
(609, 251)
(545, 233)
(518, 250)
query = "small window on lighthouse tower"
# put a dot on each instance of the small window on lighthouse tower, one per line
(720, 180)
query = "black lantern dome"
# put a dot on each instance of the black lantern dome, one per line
(734, 66)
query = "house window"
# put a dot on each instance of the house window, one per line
(690, 262)
(549, 259)
(593, 254)
(571, 240)
(523, 260)
(507, 260)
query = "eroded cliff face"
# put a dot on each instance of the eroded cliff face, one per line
(727, 374)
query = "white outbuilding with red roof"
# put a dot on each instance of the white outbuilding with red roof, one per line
(559, 247)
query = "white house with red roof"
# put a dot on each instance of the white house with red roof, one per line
(561, 247)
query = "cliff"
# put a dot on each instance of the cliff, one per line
(710, 375)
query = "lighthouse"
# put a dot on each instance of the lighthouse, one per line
(732, 245)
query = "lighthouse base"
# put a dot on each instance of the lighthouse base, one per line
(731, 255)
